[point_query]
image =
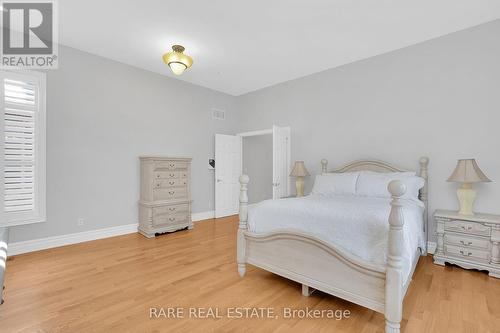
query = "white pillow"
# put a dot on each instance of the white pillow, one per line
(401, 173)
(375, 184)
(335, 184)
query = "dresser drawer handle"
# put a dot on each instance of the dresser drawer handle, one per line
(158, 176)
(465, 254)
(171, 183)
(171, 192)
(171, 209)
(172, 174)
(467, 228)
(158, 185)
(171, 219)
(466, 244)
(172, 165)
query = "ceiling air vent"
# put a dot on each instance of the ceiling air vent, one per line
(218, 114)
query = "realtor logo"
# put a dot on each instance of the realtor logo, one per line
(29, 34)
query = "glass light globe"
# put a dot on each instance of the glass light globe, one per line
(177, 68)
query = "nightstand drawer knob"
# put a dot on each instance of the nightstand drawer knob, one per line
(466, 244)
(465, 254)
(467, 228)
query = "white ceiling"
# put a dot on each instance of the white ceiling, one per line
(241, 46)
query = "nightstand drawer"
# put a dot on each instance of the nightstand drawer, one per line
(466, 241)
(467, 227)
(464, 252)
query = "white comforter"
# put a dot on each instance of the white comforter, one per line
(358, 225)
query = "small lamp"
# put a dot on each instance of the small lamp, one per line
(299, 171)
(467, 172)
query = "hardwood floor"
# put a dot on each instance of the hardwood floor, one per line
(110, 285)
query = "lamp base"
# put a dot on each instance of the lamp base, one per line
(299, 185)
(466, 196)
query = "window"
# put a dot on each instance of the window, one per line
(22, 99)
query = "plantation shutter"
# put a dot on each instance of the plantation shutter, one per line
(23, 177)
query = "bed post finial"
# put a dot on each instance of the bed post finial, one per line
(241, 243)
(394, 274)
(324, 165)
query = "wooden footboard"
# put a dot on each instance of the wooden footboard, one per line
(316, 264)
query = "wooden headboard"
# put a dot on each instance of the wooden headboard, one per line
(381, 166)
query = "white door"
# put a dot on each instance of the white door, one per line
(227, 174)
(281, 162)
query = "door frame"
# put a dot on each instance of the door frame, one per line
(266, 132)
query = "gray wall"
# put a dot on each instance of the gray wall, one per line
(258, 165)
(101, 115)
(439, 98)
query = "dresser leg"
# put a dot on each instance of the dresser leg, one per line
(439, 261)
(494, 273)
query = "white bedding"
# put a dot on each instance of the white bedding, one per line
(358, 225)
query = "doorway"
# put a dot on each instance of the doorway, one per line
(229, 159)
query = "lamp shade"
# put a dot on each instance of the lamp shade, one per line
(177, 60)
(467, 171)
(299, 170)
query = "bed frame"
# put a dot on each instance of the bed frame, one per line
(317, 265)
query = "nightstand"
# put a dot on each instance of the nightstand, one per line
(468, 241)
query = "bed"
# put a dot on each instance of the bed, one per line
(281, 238)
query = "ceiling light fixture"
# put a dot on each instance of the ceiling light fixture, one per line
(177, 61)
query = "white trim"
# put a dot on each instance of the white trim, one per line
(256, 133)
(85, 236)
(431, 247)
(203, 216)
(79, 237)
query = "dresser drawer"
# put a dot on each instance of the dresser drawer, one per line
(170, 219)
(170, 210)
(467, 227)
(464, 252)
(173, 182)
(171, 165)
(169, 193)
(166, 174)
(466, 241)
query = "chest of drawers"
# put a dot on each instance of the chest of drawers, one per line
(468, 241)
(165, 198)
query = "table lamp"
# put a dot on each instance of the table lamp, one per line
(467, 172)
(299, 171)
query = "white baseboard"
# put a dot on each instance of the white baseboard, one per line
(203, 216)
(84, 236)
(431, 247)
(79, 237)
